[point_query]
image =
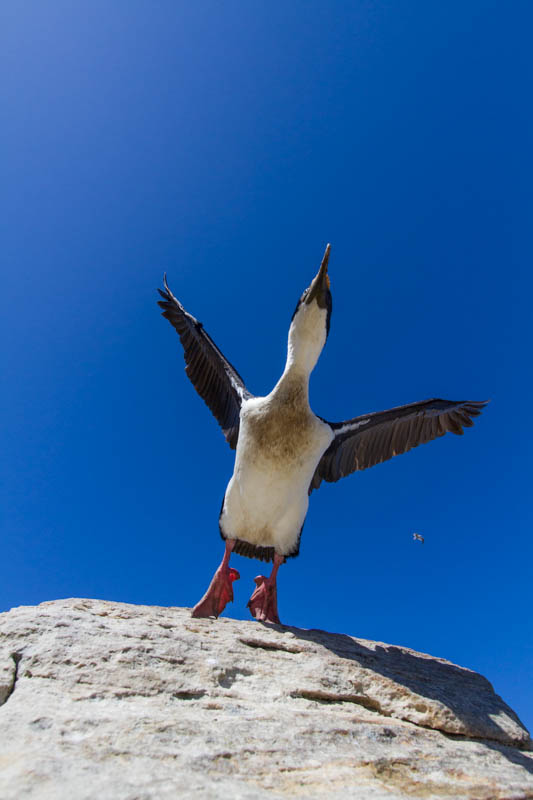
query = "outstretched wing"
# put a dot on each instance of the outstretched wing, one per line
(217, 382)
(364, 441)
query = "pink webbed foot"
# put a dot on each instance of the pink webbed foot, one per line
(263, 604)
(220, 591)
(219, 594)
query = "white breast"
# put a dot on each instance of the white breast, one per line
(280, 444)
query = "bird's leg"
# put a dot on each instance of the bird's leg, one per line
(263, 604)
(220, 590)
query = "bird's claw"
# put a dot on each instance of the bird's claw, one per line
(219, 594)
(263, 603)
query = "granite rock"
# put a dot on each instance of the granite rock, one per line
(107, 700)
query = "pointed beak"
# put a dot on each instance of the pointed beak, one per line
(320, 286)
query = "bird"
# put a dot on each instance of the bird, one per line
(418, 538)
(283, 450)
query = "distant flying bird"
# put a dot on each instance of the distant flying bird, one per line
(283, 450)
(416, 536)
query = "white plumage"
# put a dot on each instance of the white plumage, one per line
(280, 444)
(267, 497)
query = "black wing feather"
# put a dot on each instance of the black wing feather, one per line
(367, 440)
(217, 382)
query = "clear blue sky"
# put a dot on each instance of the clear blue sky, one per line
(226, 143)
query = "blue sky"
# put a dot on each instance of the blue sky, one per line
(226, 143)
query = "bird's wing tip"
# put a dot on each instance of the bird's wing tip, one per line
(479, 403)
(168, 293)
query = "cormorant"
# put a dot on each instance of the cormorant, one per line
(283, 449)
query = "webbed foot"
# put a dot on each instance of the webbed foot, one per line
(220, 591)
(263, 603)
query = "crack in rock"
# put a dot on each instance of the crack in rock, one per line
(190, 694)
(318, 696)
(261, 645)
(7, 691)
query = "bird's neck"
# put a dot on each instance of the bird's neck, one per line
(302, 356)
(293, 386)
(307, 336)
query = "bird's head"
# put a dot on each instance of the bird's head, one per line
(310, 321)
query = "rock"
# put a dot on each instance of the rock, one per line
(119, 702)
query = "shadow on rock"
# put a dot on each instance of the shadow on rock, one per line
(467, 694)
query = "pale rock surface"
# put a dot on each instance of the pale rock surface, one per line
(119, 702)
